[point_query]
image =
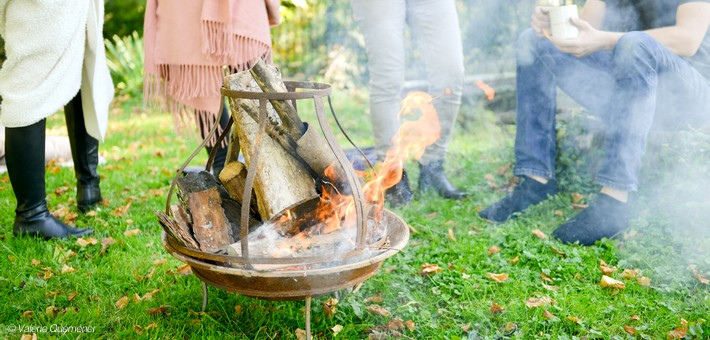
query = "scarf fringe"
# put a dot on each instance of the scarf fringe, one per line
(226, 47)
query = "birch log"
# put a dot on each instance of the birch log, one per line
(280, 180)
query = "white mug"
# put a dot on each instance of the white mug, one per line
(560, 25)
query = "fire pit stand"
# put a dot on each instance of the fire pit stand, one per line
(379, 233)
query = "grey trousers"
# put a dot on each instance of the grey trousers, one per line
(435, 28)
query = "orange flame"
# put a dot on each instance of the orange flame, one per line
(419, 128)
(487, 89)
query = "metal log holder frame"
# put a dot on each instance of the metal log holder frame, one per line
(232, 273)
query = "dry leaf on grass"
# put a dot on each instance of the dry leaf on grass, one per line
(105, 243)
(182, 270)
(155, 311)
(608, 282)
(32, 336)
(27, 314)
(131, 232)
(374, 299)
(678, 333)
(336, 329)
(630, 273)
(539, 234)
(605, 268)
(72, 296)
(47, 275)
(560, 253)
(558, 213)
(85, 242)
(630, 329)
(122, 302)
(576, 198)
(35, 262)
(149, 295)
(395, 324)
(430, 215)
(147, 276)
(514, 260)
(11, 258)
(67, 269)
(381, 311)
(238, 310)
(546, 277)
(492, 250)
(410, 325)
(120, 211)
(451, 235)
(51, 295)
(573, 318)
(466, 327)
(496, 308)
(697, 275)
(635, 317)
(330, 307)
(429, 268)
(547, 315)
(51, 310)
(159, 262)
(497, 277)
(539, 302)
(390, 269)
(550, 287)
(644, 281)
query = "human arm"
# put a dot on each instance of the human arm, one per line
(683, 38)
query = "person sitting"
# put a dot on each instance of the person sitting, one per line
(649, 65)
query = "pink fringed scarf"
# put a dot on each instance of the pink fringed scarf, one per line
(187, 44)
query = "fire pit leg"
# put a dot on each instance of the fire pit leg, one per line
(204, 296)
(308, 317)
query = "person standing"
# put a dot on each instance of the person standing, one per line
(187, 45)
(55, 57)
(434, 25)
(634, 64)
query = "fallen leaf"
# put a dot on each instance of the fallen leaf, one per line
(301, 334)
(159, 262)
(375, 309)
(336, 329)
(630, 329)
(605, 268)
(72, 296)
(147, 276)
(431, 215)
(51, 310)
(377, 335)
(496, 308)
(51, 295)
(580, 206)
(576, 198)
(149, 295)
(27, 314)
(644, 281)
(122, 302)
(635, 317)
(547, 315)
(539, 234)
(554, 250)
(67, 269)
(558, 213)
(550, 287)
(374, 299)
(85, 242)
(539, 302)
(35, 262)
(514, 260)
(573, 318)
(395, 324)
(410, 325)
(608, 282)
(630, 273)
(131, 232)
(91, 213)
(330, 307)
(451, 235)
(678, 333)
(546, 277)
(497, 277)
(184, 270)
(11, 258)
(32, 336)
(238, 310)
(151, 326)
(390, 269)
(428, 269)
(106, 242)
(155, 311)
(466, 327)
(120, 211)
(138, 329)
(47, 275)
(492, 250)
(697, 275)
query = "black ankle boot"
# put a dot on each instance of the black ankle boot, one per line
(85, 153)
(400, 193)
(24, 147)
(432, 177)
(525, 194)
(39, 222)
(605, 217)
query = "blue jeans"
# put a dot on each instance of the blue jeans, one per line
(638, 85)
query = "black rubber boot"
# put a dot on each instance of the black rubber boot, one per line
(400, 193)
(85, 153)
(432, 177)
(24, 148)
(525, 194)
(221, 154)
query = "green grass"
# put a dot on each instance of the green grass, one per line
(143, 152)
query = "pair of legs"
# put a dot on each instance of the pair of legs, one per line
(434, 24)
(638, 84)
(25, 147)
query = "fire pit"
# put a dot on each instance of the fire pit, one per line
(331, 261)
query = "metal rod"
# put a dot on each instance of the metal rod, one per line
(308, 318)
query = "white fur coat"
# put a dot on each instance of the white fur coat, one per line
(53, 48)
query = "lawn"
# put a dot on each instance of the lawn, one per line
(552, 290)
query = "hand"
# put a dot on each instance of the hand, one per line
(540, 20)
(588, 41)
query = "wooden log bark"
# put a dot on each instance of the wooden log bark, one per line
(179, 231)
(233, 178)
(268, 77)
(280, 180)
